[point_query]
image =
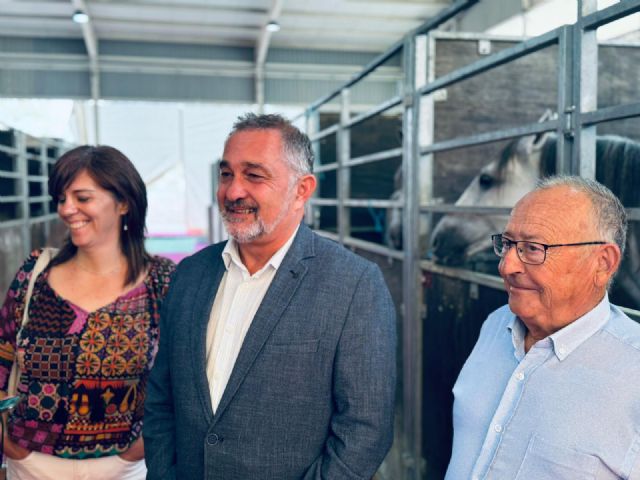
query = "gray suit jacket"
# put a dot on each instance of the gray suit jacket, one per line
(311, 394)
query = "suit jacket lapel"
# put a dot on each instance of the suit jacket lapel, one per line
(285, 283)
(209, 281)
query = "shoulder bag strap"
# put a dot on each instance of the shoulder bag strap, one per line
(41, 263)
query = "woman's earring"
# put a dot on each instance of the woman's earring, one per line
(124, 223)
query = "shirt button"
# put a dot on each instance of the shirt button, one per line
(212, 439)
(497, 427)
(520, 376)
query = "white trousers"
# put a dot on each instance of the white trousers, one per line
(40, 466)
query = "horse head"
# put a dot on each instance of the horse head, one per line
(458, 239)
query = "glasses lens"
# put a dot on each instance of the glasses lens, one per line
(531, 252)
(500, 246)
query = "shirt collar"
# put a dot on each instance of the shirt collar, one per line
(567, 339)
(231, 254)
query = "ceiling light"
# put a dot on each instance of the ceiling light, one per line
(273, 26)
(80, 17)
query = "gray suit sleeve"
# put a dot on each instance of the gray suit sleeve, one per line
(363, 387)
(159, 421)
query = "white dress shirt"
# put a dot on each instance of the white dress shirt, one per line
(237, 300)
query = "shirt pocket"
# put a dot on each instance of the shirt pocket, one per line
(546, 461)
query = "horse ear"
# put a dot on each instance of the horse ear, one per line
(533, 143)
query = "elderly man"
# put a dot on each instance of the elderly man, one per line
(551, 388)
(277, 352)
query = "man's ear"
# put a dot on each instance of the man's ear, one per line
(609, 258)
(306, 186)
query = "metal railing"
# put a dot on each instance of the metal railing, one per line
(574, 126)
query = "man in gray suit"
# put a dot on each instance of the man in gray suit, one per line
(277, 348)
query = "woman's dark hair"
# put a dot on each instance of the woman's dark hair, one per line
(114, 172)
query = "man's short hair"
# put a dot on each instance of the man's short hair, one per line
(608, 211)
(296, 145)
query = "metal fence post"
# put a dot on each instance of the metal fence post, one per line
(586, 93)
(344, 173)
(411, 288)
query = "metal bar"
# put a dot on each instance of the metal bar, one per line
(375, 157)
(586, 92)
(31, 221)
(504, 56)
(618, 112)
(633, 213)
(326, 167)
(462, 274)
(324, 202)
(10, 198)
(430, 24)
(37, 178)
(411, 296)
(444, 208)
(392, 102)
(325, 133)
(21, 168)
(610, 14)
(565, 106)
(372, 203)
(9, 150)
(42, 198)
(373, 247)
(343, 146)
(4, 174)
(491, 137)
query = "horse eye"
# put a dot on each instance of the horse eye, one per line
(485, 180)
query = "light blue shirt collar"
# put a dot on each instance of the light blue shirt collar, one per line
(568, 338)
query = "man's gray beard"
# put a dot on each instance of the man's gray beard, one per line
(249, 234)
(258, 228)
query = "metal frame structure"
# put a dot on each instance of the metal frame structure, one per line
(575, 127)
(32, 204)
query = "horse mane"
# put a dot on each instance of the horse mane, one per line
(617, 165)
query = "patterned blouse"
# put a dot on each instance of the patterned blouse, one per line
(83, 374)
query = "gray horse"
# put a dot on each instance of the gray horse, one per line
(459, 238)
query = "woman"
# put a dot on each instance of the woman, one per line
(92, 330)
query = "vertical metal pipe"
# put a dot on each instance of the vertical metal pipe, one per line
(586, 74)
(344, 173)
(566, 108)
(312, 126)
(23, 171)
(95, 95)
(411, 290)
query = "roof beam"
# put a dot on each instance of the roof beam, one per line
(91, 44)
(262, 48)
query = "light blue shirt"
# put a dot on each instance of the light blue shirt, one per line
(569, 409)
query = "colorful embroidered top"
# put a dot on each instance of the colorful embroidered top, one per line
(83, 374)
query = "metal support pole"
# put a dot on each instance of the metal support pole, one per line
(344, 173)
(586, 95)
(312, 126)
(411, 290)
(95, 95)
(23, 170)
(566, 107)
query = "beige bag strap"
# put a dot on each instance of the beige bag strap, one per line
(41, 263)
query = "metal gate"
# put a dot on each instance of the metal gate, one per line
(575, 126)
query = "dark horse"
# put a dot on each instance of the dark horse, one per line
(458, 239)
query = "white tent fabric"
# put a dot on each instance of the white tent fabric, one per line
(171, 144)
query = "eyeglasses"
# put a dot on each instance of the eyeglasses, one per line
(532, 253)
